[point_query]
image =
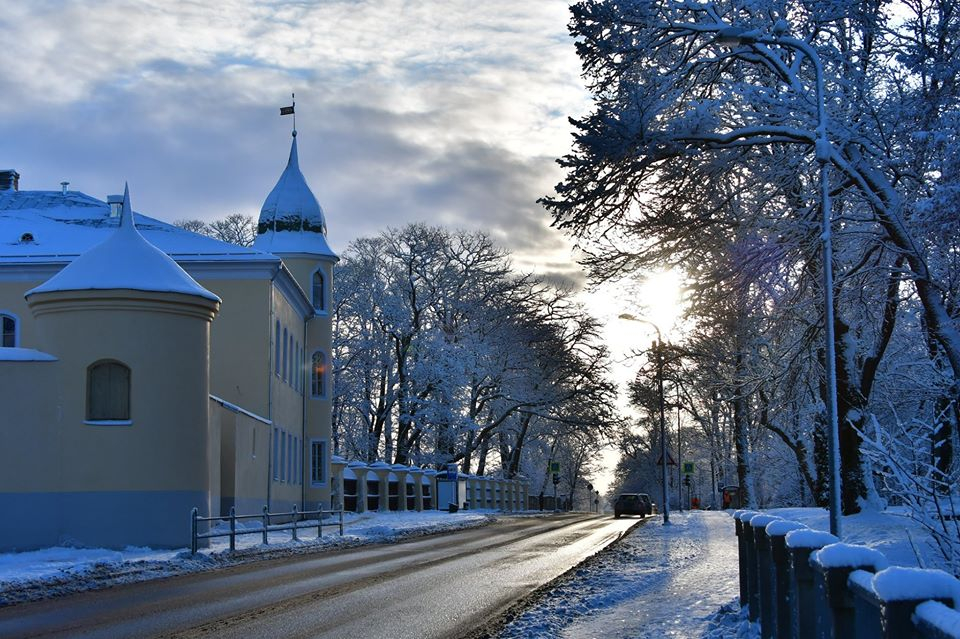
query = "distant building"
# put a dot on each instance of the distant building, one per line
(146, 370)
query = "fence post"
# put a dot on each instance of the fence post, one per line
(866, 606)
(193, 530)
(834, 563)
(898, 602)
(783, 594)
(800, 544)
(233, 528)
(753, 592)
(742, 554)
(266, 524)
(295, 523)
(320, 523)
(764, 567)
(341, 522)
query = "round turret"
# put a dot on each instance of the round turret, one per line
(131, 330)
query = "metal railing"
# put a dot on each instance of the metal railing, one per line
(266, 527)
(804, 584)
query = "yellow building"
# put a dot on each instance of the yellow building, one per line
(145, 370)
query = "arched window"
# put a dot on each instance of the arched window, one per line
(298, 369)
(8, 330)
(292, 365)
(276, 349)
(319, 292)
(284, 369)
(318, 375)
(108, 391)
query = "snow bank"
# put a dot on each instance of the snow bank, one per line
(840, 555)
(807, 538)
(781, 527)
(49, 572)
(900, 584)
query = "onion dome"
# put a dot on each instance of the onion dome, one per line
(291, 220)
(125, 260)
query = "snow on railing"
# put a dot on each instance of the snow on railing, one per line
(799, 583)
(266, 527)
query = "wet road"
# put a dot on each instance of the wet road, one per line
(440, 586)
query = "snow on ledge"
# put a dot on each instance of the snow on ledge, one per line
(898, 583)
(840, 555)
(781, 527)
(761, 521)
(936, 615)
(744, 515)
(809, 538)
(9, 354)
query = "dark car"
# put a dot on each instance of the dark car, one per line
(632, 504)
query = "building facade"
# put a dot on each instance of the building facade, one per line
(146, 370)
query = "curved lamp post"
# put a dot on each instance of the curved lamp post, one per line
(658, 350)
(737, 36)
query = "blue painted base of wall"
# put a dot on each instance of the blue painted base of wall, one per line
(159, 519)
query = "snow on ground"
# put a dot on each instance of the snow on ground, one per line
(681, 580)
(901, 539)
(39, 574)
(659, 581)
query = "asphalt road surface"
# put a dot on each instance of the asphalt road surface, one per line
(441, 586)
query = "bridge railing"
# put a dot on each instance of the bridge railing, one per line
(799, 583)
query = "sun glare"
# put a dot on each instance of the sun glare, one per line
(661, 300)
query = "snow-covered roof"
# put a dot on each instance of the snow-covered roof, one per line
(125, 260)
(291, 220)
(16, 354)
(52, 226)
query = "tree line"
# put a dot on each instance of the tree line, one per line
(704, 152)
(444, 354)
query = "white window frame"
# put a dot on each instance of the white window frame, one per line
(16, 327)
(322, 307)
(96, 420)
(323, 446)
(298, 371)
(276, 349)
(283, 367)
(325, 381)
(276, 453)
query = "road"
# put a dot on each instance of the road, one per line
(441, 586)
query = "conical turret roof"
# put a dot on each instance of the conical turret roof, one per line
(125, 260)
(291, 220)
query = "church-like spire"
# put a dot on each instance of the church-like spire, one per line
(291, 220)
(126, 213)
(125, 260)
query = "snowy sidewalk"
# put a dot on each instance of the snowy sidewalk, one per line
(659, 581)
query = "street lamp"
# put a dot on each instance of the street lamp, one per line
(737, 36)
(658, 350)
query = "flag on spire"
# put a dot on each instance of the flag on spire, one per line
(289, 110)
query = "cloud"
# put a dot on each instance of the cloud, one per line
(447, 112)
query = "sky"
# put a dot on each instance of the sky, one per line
(447, 112)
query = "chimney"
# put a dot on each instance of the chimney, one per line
(63, 187)
(9, 180)
(116, 204)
